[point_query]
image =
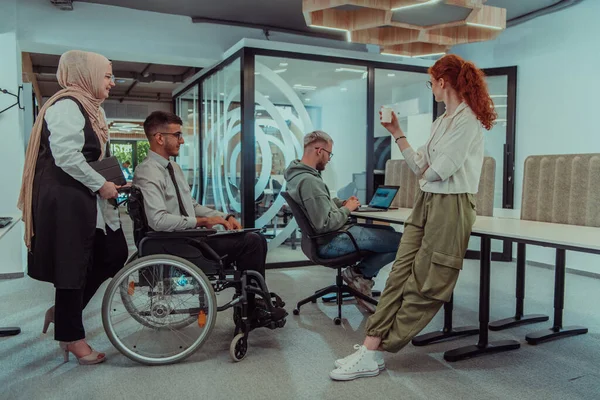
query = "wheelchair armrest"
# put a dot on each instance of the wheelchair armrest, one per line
(357, 250)
(187, 233)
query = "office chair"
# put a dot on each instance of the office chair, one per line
(310, 249)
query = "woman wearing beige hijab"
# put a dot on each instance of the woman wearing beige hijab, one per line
(74, 236)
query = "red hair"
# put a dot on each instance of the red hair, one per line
(469, 82)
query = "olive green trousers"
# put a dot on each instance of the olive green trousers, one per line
(428, 261)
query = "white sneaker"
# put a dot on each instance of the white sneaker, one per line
(378, 358)
(359, 283)
(361, 364)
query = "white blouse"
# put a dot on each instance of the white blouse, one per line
(454, 152)
(65, 123)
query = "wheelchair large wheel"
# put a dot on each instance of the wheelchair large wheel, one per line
(167, 312)
(139, 314)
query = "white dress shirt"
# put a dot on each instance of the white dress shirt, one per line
(454, 152)
(160, 198)
(65, 123)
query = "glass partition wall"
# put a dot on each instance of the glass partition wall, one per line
(245, 119)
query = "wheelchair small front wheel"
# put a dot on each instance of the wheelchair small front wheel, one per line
(238, 347)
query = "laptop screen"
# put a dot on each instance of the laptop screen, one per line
(383, 197)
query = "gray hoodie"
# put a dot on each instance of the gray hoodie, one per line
(306, 187)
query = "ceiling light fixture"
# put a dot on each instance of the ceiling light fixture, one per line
(348, 33)
(280, 71)
(344, 89)
(391, 75)
(360, 71)
(427, 3)
(428, 55)
(302, 87)
(283, 64)
(485, 26)
(395, 55)
(307, 100)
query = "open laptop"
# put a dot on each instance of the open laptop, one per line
(382, 199)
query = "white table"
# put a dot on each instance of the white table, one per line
(558, 236)
(3, 231)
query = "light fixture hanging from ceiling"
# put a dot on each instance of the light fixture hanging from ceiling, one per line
(394, 24)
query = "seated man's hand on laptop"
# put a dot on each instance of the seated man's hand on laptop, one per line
(209, 222)
(352, 204)
(350, 198)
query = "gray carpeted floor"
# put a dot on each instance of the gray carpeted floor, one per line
(293, 362)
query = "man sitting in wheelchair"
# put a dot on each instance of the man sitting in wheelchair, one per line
(169, 206)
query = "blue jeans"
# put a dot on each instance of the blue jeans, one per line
(380, 239)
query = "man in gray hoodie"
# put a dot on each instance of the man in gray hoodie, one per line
(307, 188)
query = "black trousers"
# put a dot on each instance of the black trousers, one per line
(110, 254)
(248, 250)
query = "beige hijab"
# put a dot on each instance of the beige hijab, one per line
(81, 76)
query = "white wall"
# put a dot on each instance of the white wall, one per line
(558, 60)
(12, 152)
(344, 118)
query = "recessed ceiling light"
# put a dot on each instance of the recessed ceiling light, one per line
(222, 94)
(283, 64)
(280, 71)
(257, 73)
(344, 89)
(307, 100)
(391, 75)
(267, 96)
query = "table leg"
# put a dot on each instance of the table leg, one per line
(448, 332)
(483, 346)
(519, 318)
(12, 331)
(557, 331)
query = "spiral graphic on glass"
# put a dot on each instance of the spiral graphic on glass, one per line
(277, 129)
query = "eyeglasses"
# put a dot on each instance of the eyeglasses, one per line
(112, 77)
(176, 135)
(428, 84)
(327, 151)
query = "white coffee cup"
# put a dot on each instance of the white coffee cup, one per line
(386, 114)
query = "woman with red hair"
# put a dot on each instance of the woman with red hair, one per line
(437, 232)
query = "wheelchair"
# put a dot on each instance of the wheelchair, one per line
(161, 306)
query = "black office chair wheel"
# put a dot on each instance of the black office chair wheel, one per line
(238, 348)
(296, 311)
(337, 321)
